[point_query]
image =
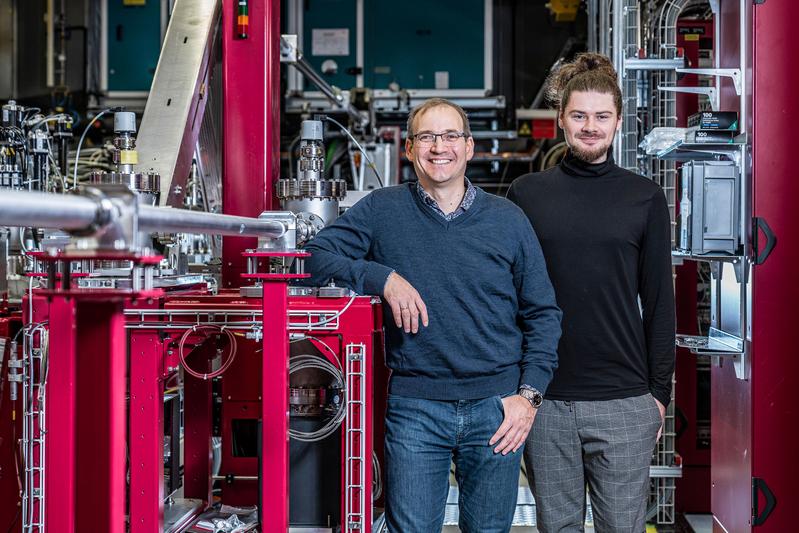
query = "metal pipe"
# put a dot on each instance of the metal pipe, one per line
(70, 212)
(43, 210)
(617, 50)
(591, 9)
(170, 220)
(328, 90)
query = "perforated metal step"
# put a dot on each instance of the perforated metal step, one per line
(525, 509)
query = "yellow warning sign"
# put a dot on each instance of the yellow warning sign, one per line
(524, 129)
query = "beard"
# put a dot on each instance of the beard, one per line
(589, 155)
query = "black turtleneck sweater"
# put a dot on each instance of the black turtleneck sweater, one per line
(606, 237)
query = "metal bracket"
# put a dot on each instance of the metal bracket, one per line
(734, 73)
(288, 48)
(718, 345)
(710, 92)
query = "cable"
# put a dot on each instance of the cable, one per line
(365, 155)
(302, 362)
(212, 329)
(83, 136)
(48, 118)
(334, 317)
(327, 347)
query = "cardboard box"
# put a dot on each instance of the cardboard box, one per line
(714, 120)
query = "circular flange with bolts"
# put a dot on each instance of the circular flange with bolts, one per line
(149, 182)
(311, 189)
(308, 225)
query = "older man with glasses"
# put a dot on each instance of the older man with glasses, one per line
(476, 327)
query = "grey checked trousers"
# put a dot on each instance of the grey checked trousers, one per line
(606, 445)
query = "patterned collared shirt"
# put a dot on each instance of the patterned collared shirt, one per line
(466, 203)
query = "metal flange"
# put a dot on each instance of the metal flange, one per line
(311, 189)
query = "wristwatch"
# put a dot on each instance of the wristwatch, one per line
(532, 395)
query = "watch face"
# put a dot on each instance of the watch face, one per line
(535, 397)
(538, 399)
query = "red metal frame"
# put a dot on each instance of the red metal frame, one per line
(775, 291)
(251, 122)
(10, 428)
(87, 383)
(146, 427)
(253, 392)
(87, 414)
(274, 472)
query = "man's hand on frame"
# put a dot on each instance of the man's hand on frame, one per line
(406, 304)
(519, 416)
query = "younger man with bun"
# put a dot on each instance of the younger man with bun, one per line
(606, 237)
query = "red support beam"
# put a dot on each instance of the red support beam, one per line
(146, 431)
(275, 410)
(101, 416)
(86, 437)
(60, 449)
(251, 122)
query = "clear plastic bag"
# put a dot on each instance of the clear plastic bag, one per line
(661, 140)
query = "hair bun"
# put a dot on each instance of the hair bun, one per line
(582, 63)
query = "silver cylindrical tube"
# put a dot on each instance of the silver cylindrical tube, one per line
(308, 71)
(43, 210)
(169, 220)
(70, 213)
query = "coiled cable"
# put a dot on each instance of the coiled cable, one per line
(302, 362)
(208, 330)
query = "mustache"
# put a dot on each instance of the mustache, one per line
(589, 136)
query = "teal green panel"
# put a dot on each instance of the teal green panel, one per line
(325, 16)
(408, 42)
(134, 44)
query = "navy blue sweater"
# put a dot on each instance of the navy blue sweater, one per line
(494, 323)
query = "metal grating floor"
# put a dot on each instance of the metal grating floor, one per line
(525, 509)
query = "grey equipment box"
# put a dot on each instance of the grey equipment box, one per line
(709, 220)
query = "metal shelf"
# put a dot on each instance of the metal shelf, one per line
(717, 344)
(739, 262)
(665, 471)
(727, 258)
(704, 151)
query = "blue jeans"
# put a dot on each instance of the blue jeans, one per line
(423, 437)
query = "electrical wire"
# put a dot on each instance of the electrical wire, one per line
(355, 141)
(48, 118)
(335, 316)
(83, 136)
(302, 362)
(327, 347)
(212, 328)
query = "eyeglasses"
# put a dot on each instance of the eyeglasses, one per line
(448, 137)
